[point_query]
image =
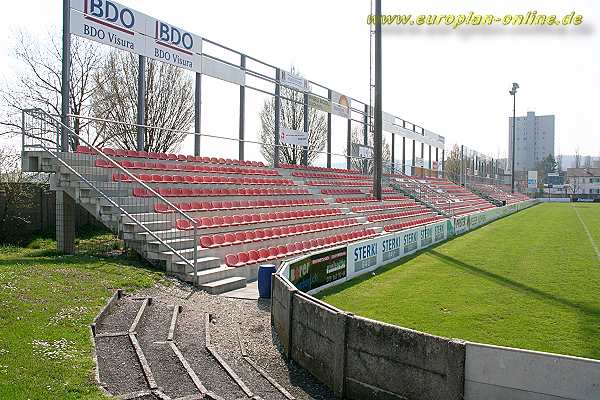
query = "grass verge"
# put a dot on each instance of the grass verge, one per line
(47, 301)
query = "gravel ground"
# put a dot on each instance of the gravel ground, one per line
(228, 316)
(120, 371)
(121, 316)
(152, 334)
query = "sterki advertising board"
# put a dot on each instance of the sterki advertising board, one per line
(318, 270)
(370, 254)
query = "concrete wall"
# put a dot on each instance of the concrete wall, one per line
(387, 361)
(359, 358)
(499, 373)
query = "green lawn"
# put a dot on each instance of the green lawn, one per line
(46, 304)
(530, 280)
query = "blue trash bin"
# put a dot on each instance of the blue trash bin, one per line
(264, 280)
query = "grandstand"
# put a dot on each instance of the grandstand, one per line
(231, 215)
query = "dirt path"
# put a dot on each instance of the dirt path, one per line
(215, 347)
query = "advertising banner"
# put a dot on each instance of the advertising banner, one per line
(294, 137)
(318, 270)
(340, 104)
(532, 179)
(223, 71)
(293, 81)
(320, 103)
(109, 23)
(370, 254)
(173, 45)
(461, 224)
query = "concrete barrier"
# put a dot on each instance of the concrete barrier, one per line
(498, 373)
(360, 358)
(387, 361)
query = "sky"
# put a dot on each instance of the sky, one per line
(452, 82)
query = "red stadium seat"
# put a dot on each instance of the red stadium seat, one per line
(206, 241)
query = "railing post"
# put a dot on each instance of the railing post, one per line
(66, 78)
(277, 118)
(141, 105)
(242, 112)
(195, 254)
(22, 130)
(197, 113)
(329, 132)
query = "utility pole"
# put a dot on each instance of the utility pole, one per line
(377, 136)
(513, 93)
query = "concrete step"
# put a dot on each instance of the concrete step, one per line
(204, 264)
(250, 272)
(223, 285)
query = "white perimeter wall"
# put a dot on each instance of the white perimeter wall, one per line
(502, 373)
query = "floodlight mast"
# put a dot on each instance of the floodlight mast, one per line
(513, 93)
(377, 134)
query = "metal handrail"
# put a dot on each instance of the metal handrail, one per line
(126, 172)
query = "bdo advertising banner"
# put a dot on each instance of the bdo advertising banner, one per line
(109, 23)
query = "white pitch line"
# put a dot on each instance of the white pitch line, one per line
(587, 231)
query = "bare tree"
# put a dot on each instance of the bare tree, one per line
(452, 165)
(169, 103)
(292, 117)
(38, 79)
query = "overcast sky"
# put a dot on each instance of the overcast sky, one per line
(452, 82)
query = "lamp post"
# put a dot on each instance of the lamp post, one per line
(513, 93)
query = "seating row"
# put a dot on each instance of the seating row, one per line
(338, 183)
(314, 168)
(246, 219)
(382, 207)
(273, 253)
(150, 166)
(199, 179)
(236, 205)
(168, 156)
(411, 224)
(345, 200)
(257, 235)
(168, 192)
(396, 215)
(341, 191)
(315, 175)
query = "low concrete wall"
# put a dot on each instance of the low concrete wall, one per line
(499, 373)
(386, 361)
(360, 358)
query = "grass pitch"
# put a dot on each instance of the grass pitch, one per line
(530, 280)
(47, 301)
